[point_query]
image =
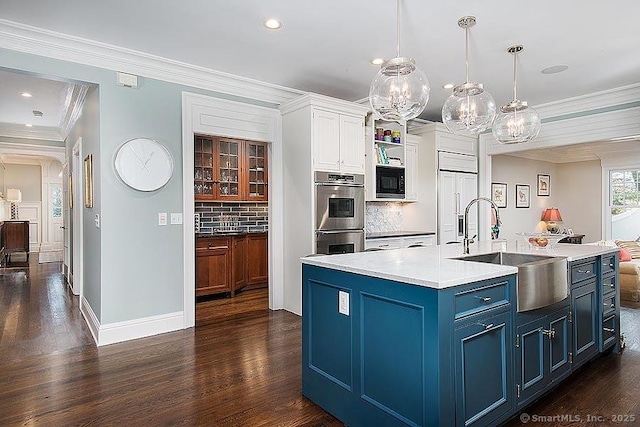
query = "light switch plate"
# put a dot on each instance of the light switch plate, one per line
(176, 218)
(96, 219)
(162, 218)
(343, 303)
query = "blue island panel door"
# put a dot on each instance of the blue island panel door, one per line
(484, 370)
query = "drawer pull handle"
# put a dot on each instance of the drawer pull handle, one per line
(610, 305)
(486, 326)
(610, 330)
(584, 271)
(550, 333)
(383, 246)
(211, 248)
(485, 300)
(611, 265)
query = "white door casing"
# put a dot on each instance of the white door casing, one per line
(76, 213)
(66, 214)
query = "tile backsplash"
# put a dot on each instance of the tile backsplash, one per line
(232, 216)
(383, 216)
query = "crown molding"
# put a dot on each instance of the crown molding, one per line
(38, 41)
(11, 150)
(316, 100)
(47, 133)
(74, 103)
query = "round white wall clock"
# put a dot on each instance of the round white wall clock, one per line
(144, 164)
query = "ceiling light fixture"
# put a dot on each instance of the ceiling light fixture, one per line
(470, 109)
(377, 61)
(400, 90)
(448, 86)
(28, 125)
(273, 24)
(26, 94)
(517, 122)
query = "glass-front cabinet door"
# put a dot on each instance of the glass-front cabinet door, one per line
(257, 169)
(203, 178)
(228, 169)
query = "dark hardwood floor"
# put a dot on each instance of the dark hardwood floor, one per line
(240, 366)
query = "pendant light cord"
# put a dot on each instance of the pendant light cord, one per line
(515, 55)
(398, 29)
(466, 53)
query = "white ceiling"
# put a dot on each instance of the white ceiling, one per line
(326, 49)
(598, 150)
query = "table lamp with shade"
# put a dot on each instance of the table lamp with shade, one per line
(14, 196)
(550, 216)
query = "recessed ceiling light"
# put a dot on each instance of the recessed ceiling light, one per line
(555, 69)
(273, 24)
(29, 125)
(448, 86)
(377, 61)
(26, 94)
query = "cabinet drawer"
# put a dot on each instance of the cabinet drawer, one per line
(583, 271)
(609, 263)
(392, 243)
(418, 240)
(609, 284)
(609, 332)
(608, 304)
(480, 299)
(212, 243)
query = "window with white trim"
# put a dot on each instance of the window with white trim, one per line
(624, 202)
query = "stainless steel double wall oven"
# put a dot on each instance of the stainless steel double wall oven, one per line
(339, 213)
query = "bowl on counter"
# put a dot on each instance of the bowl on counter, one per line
(541, 240)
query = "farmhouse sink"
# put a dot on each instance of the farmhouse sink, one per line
(542, 280)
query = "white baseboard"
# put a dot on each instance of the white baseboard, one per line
(90, 318)
(112, 333)
(139, 328)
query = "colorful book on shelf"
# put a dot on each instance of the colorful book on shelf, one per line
(377, 151)
(384, 159)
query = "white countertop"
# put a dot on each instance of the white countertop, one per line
(433, 266)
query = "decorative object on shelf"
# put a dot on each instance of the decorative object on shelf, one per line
(550, 216)
(144, 164)
(517, 122)
(14, 196)
(499, 194)
(400, 90)
(523, 193)
(544, 184)
(470, 109)
(88, 181)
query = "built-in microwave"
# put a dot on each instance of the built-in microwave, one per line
(389, 182)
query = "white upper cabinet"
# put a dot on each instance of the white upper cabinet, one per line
(338, 142)
(411, 168)
(352, 144)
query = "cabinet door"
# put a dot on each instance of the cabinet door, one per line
(559, 345)
(411, 170)
(448, 208)
(257, 259)
(467, 188)
(352, 144)
(484, 370)
(227, 164)
(255, 171)
(213, 267)
(585, 320)
(203, 175)
(530, 360)
(326, 140)
(239, 260)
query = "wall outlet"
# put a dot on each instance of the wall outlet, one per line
(343, 303)
(162, 218)
(176, 218)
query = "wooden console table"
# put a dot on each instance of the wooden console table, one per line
(575, 239)
(15, 238)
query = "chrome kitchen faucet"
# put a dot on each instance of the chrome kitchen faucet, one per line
(467, 241)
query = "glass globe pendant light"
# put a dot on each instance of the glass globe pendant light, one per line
(400, 90)
(517, 122)
(470, 109)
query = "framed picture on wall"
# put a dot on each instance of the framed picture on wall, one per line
(544, 182)
(523, 194)
(88, 181)
(499, 194)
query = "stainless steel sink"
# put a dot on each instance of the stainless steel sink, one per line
(542, 280)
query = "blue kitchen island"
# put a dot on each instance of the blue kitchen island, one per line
(416, 337)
